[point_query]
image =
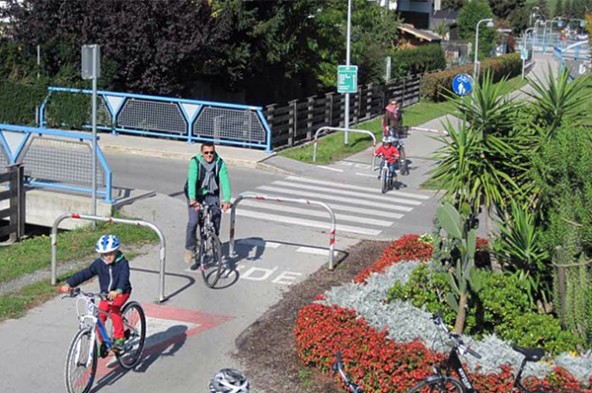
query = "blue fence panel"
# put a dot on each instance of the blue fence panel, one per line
(55, 159)
(191, 120)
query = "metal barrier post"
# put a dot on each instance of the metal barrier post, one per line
(322, 129)
(77, 216)
(259, 197)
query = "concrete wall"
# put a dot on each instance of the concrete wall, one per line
(43, 207)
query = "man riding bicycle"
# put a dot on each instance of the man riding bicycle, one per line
(207, 174)
(390, 154)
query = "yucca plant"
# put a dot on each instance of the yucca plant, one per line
(520, 249)
(557, 100)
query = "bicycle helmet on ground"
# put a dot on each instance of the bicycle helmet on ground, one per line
(107, 243)
(229, 380)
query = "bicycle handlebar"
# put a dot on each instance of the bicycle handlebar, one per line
(75, 292)
(456, 338)
(338, 367)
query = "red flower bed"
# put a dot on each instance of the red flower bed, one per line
(382, 365)
(406, 248)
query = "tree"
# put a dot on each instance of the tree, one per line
(568, 9)
(453, 4)
(160, 54)
(558, 11)
(468, 18)
(543, 9)
(503, 8)
(578, 9)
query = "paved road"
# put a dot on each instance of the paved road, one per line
(192, 334)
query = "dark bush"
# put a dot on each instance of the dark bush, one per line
(417, 60)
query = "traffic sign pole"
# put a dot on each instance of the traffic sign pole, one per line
(347, 63)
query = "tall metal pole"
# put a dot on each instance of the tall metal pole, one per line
(475, 76)
(94, 132)
(347, 63)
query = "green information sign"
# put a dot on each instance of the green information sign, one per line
(347, 79)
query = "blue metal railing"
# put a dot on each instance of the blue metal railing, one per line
(15, 141)
(191, 120)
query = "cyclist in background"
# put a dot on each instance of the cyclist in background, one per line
(207, 174)
(113, 270)
(392, 121)
(390, 154)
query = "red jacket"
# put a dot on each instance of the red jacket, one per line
(391, 153)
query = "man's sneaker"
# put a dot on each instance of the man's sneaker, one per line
(118, 345)
(188, 256)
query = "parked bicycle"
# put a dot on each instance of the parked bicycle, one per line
(208, 254)
(81, 362)
(338, 368)
(442, 381)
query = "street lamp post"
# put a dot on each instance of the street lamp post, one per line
(347, 63)
(551, 32)
(475, 64)
(532, 14)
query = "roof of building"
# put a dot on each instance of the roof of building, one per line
(421, 34)
(445, 14)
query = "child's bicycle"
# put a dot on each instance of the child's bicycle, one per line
(388, 181)
(81, 362)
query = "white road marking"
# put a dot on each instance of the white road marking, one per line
(316, 213)
(316, 251)
(352, 187)
(329, 168)
(366, 175)
(308, 223)
(332, 198)
(258, 242)
(332, 191)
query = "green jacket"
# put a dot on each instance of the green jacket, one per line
(193, 176)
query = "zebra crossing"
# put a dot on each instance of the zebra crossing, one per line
(358, 210)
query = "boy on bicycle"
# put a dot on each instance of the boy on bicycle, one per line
(390, 154)
(113, 271)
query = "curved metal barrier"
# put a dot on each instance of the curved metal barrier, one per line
(77, 216)
(260, 197)
(324, 129)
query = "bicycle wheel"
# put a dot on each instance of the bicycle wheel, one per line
(81, 365)
(403, 166)
(444, 384)
(383, 179)
(134, 327)
(211, 260)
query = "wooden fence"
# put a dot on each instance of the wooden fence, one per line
(12, 190)
(297, 121)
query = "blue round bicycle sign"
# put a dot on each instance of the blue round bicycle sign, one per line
(462, 85)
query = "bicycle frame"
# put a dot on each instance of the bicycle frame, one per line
(454, 362)
(95, 324)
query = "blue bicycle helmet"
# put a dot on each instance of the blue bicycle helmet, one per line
(107, 243)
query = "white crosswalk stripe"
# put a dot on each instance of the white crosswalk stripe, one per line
(358, 210)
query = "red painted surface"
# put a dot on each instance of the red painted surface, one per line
(150, 353)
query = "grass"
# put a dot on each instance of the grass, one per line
(15, 304)
(34, 254)
(331, 148)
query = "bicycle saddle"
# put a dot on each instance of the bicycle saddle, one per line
(530, 354)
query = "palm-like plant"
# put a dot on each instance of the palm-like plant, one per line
(557, 100)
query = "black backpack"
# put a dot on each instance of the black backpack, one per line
(200, 177)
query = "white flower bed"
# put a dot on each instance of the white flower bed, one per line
(406, 322)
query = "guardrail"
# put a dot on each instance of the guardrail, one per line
(191, 120)
(15, 194)
(272, 198)
(55, 159)
(325, 129)
(77, 216)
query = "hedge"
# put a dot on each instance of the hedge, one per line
(419, 60)
(434, 86)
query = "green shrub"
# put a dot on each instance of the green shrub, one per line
(435, 85)
(501, 306)
(20, 100)
(533, 330)
(417, 60)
